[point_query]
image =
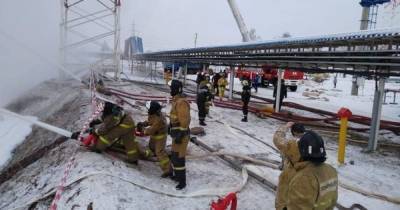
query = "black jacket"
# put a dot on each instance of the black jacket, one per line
(199, 78)
(215, 79)
(203, 96)
(283, 91)
(246, 93)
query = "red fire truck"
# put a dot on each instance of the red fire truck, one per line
(269, 76)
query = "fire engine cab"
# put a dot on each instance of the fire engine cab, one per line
(269, 75)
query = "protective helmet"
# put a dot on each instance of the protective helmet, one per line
(298, 128)
(176, 87)
(245, 83)
(110, 108)
(203, 86)
(153, 107)
(311, 147)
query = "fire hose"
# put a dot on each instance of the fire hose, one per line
(202, 193)
(313, 122)
(237, 106)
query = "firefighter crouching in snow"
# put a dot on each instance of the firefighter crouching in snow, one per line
(179, 131)
(114, 126)
(156, 127)
(306, 182)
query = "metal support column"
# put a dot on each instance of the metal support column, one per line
(185, 74)
(117, 37)
(63, 35)
(278, 91)
(363, 26)
(231, 82)
(376, 116)
(173, 71)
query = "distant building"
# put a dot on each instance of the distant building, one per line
(133, 45)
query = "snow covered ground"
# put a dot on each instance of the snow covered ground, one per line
(106, 182)
(337, 98)
(13, 131)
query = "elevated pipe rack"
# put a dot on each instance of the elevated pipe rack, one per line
(375, 52)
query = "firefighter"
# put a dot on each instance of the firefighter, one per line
(246, 94)
(100, 87)
(283, 93)
(215, 80)
(222, 83)
(156, 127)
(203, 98)
(309, 183)
(335, 80)
(285, 144)
(199, 78)
(167, 75)
(179, 131)
(209, 100)
(205, 81)
(115, 126)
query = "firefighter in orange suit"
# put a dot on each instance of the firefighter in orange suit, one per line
(156, 127)
(179, 131)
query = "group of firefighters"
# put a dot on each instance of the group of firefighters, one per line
(206, 90)
(306, 182)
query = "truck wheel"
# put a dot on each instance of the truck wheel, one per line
(293, 88)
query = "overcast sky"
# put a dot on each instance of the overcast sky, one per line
(168, 24)
(165, 24)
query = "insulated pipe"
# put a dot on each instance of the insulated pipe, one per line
(278, 91)
(231, 82)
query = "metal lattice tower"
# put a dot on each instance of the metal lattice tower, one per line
(79, 17)
(373, 17)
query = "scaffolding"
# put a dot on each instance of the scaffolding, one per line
(79, 17)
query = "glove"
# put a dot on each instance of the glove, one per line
(75, 135)
(139, 126)
(178, 135)
(94, 122)
(90, 130)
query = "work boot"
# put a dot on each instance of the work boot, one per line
(167, 174)
(134, 162)
(202, 123)
(181, 179)
(244, 119)
(180, 186)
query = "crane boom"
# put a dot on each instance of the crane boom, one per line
(240, 21)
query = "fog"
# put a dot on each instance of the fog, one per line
(164, 24)
(35, 23)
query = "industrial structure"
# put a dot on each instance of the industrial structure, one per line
(78, 15)
(367, 53)
(369, 17)
(246, 36)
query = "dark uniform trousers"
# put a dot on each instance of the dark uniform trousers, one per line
(178, 158)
